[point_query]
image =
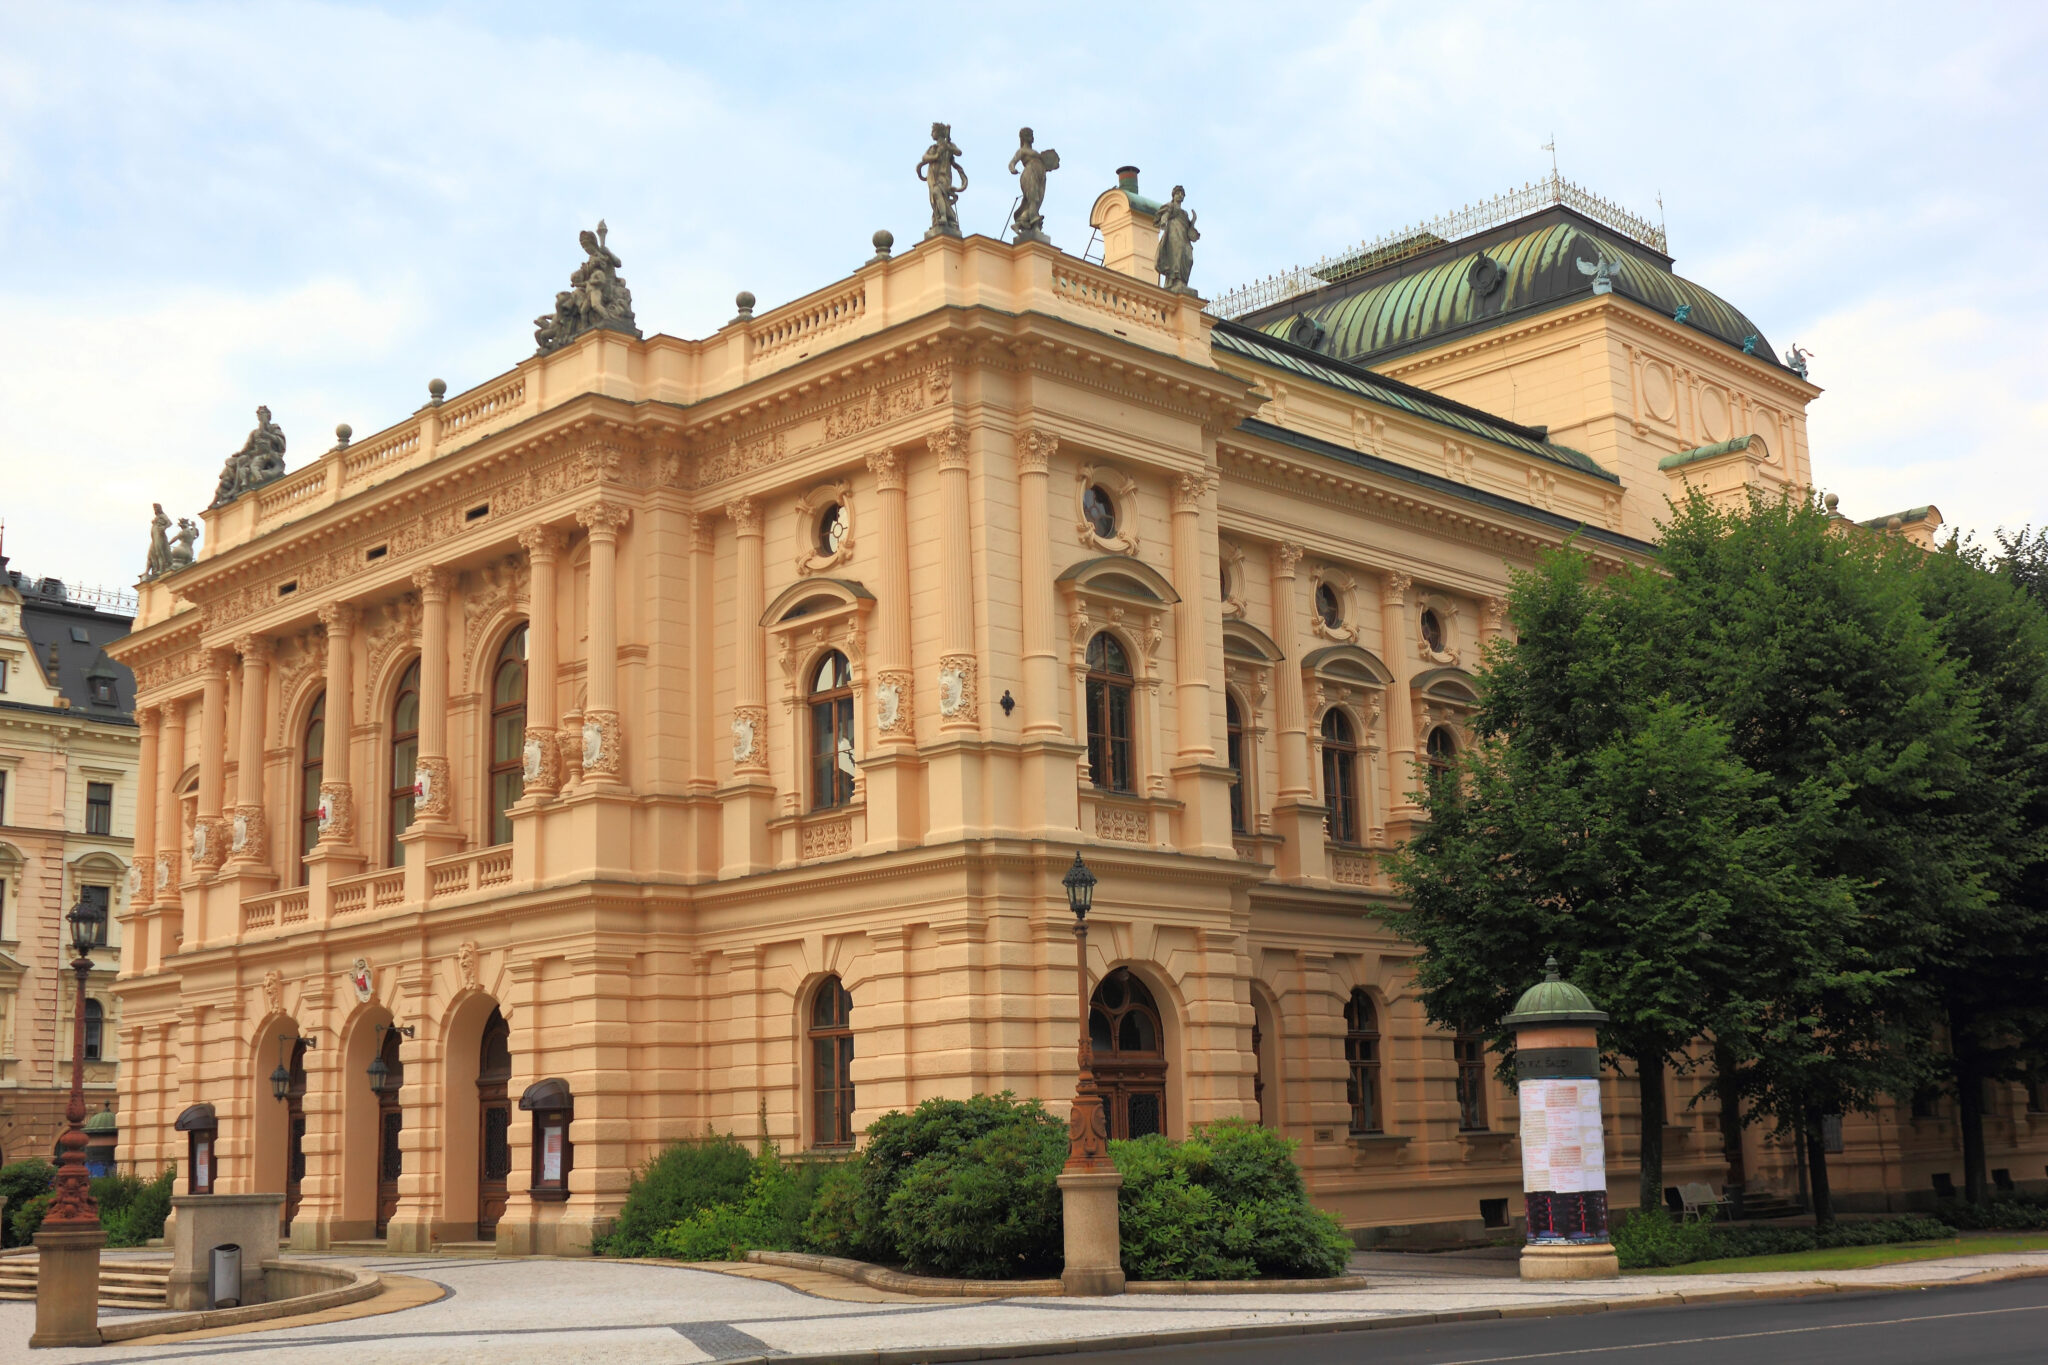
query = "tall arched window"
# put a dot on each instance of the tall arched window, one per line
(1442, 750)
(312, 748)
(1470, 1050)
(405, 759)
(1127, 1052)
(1340, 777)
(831, 1065)
(832, 766)
(1362, 1058)
(1109, 714)
(508, 733)
(1233, 729)
(95, 1028)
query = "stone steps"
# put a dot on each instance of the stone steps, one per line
(123, 1284)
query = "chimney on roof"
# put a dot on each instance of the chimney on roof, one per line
(1130, 237)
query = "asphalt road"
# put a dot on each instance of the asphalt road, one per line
(1994, 1324)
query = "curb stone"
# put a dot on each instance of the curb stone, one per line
(941, 1355)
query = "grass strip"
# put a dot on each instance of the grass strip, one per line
(1853, 1258)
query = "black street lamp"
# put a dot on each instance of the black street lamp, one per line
(1087, 1129)
(73, 1206)
(281, 1079)
(383, 1081)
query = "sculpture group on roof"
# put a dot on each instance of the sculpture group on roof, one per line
(167, 553)
(259, 461)
(597, 296)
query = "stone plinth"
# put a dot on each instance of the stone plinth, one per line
(205, 1221)
(1094, 1238)
(1570, 1261)
(68, 1287)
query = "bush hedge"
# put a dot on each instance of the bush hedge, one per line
(1649, 1238)
(132, 1210)
(686, 1178)
(1227, 1204)
(20, 1182)
(769, 1214)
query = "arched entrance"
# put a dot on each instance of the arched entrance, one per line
(390, 1123)
(1127, 1041)
(494, 1124)
(295, 1130)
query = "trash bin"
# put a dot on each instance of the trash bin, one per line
(227, 1276)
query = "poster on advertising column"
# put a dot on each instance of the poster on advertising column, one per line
(1562, 1148)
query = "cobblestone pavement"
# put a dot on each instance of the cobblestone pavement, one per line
(621, 1313)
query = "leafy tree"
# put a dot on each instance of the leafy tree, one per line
(2024, 557)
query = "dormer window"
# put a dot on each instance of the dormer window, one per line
(103, 692)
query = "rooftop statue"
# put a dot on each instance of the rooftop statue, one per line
(181, 550)
(260, 460)
(159, 544)
(597, 296)
(1177, 238)
(1603, 272)
(1796, 358)
(1028, 223)
(936, 168)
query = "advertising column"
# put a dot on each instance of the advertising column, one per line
(1564, 1146)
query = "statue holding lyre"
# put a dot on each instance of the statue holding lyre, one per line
(1029, 165)
(936, 168)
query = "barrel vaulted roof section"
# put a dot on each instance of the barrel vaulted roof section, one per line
(1453, 293)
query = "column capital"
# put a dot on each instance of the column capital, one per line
(745, 514)
(150, 718)
(340, 617)
(887, 467)
(254, 649)
(1035, 450)
(1493, 615)
(541, 542)
(433, 582)
(1286, 554)
(1191, 488)
(1394, 588)
(949, 443)
(219, 659)
(603, 518)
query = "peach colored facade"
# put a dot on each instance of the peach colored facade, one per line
(681, 876)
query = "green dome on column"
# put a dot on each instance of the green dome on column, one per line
(1554, 1001)
(103, 1122)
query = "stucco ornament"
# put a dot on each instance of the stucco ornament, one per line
(337, 813)
(956, 687)
(888, 704)
(466, 962)
(597, 297)
(159, 561)
(743, 736)
(936, 168)
(240, 841)
(531, 756)
(1177, 238)
(1030, 165)
(593, 744)
(359, 980)
(432, 781)
(423, 785)
(199, 831)
(259, 461)
(273, 990)
(163, 873)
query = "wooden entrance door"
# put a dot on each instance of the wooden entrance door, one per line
(390, 1123)
(493, 1124)
(1129, 1050)
(295, 1133)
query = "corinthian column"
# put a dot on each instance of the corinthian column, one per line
(603, 735)
(337, 795)
(1190, 621)
(541, 754)
(750, 667)
(248, 837)
(894, 687)
(209, 844)
(434, 807)
(1041, 661)
(1287, 703)
(959, 702)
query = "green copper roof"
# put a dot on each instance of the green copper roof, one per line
(1268, 350)
(1686, 457)
(103, 1122)
(1906, 518)
(1453, 290)
(1553, 1001)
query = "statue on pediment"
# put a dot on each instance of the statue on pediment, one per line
(936, 168)
(182, 552)
(159, 544)
(597, 297)
(1177, 238)
(1030, 165)
(259, 461)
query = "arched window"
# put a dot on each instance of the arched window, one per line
(1362, 1058)
(312, 748)
(508, 733)
(832, 766)
(1340, 777)
(1442, 750)
(1109, 714)
(95, 1027)
(1127, 1047)
(1233, 729)
(1470, 1050)
(831, 1065)
(405, 759)
(1100, 510)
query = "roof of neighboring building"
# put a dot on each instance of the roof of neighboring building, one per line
(1490, 277)
(1905, 518)
(1281, 354)
(1686, 457)
(54, 624)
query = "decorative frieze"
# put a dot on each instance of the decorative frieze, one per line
(1122, 823)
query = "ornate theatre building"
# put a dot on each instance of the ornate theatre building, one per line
(670, 733)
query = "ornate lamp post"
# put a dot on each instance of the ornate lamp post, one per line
(68, 1244)
(1088, 1182)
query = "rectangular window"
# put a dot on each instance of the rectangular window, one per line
(3, 675)
(1340, 793)
(99, 808)
(1234, 751)
(832, 1090)
(1363, 1083)
(95, 1031)
(98, 897)
(3, 796)
(1471, 1084)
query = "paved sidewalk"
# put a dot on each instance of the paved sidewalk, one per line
(620, 1313)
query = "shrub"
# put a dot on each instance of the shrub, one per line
(1653, 1238)
(2011, 1213)
(683, 1180)
(21, 1181)
(897, 1142)
(989, 1209)
(26, 1219)
(769, 1216)
(833, 1224)
(142, 1217)
(1227, 1204)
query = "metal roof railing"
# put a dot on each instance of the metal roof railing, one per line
(1449, 227)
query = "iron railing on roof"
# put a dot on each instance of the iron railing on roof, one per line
(1449, 227)
(102, 597)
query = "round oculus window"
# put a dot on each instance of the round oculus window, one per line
(831, 529)
(1329, 606)
(1432, 630)
(1100, 510)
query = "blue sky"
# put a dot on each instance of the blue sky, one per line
(204, 207)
